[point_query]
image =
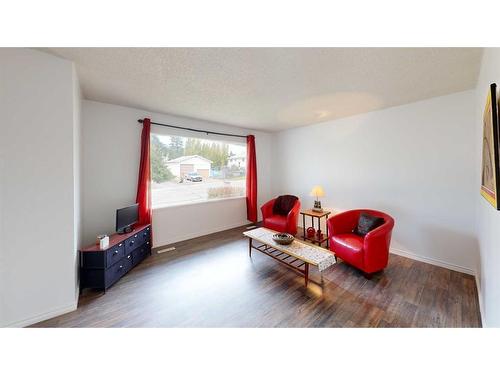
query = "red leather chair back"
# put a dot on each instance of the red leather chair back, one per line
(280, 223)
(375, 250)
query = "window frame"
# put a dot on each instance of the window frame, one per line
(218, 139)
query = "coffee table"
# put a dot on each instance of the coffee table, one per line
(298, 255)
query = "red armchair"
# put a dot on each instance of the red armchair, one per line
(281, 223)
(369, 253)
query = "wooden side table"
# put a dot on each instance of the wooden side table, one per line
(319, 215)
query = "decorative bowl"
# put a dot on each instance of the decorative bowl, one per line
(283, 238)
(311, 232)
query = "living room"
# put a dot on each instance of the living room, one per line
(247, 186)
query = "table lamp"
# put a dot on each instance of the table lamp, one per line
(317, 192)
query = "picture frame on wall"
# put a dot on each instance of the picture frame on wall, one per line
(490, 168)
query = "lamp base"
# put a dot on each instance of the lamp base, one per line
(317, 206)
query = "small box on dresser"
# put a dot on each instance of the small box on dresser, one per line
(99, 269)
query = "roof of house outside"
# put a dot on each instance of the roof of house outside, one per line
(182, 159)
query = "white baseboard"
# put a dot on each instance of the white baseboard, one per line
(192, 235)
(44, 316)
(433, 261)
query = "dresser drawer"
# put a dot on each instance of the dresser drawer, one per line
(114, 254)
(114, 273)
(132, 243)
(139, 254)
(128, 262)
(140, 238)
(145, 234)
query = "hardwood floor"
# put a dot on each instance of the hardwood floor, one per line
(210, 281)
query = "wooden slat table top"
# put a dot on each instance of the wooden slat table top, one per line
(284, 248)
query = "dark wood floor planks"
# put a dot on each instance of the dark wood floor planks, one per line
(211, 282)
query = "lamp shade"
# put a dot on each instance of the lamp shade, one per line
(317, 191)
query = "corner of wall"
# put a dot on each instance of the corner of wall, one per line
(48, 87)
(77, 173)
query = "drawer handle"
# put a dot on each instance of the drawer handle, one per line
(128, 257)
(116, 251)
(135, 236)
(147, 243)
(121, 267)
(131, 242)
(120, 245)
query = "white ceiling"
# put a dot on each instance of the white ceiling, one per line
(270, 88)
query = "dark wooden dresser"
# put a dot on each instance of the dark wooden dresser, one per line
(100, 269)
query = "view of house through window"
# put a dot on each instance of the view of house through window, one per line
(189, 170)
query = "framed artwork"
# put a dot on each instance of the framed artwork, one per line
(490, 169)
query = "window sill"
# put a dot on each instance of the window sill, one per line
(160, 208)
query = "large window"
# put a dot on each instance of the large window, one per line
(190, 170)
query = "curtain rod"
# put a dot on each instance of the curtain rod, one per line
(195, 130)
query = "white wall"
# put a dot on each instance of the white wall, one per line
(178, 223)
(38, 215)
(77, 174)
(111, 147)
(415, 162)
(488, 219)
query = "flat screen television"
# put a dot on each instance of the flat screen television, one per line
(126, 217)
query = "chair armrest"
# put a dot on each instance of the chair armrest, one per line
(376, 245)
(381, 231)
(267, 209)
(343, 222)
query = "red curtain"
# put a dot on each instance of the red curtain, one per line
(144, 182)
(251, 180)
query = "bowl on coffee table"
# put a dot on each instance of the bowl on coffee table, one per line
(283, 238)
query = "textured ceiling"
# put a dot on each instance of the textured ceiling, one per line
(270, 88)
